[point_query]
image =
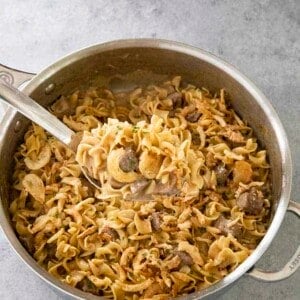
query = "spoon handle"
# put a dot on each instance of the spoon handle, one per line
(36, 113)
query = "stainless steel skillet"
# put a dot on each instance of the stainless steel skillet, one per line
(129, 63)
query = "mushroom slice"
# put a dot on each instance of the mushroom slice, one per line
(113, 167)
(192, 250)
(42, 159)
(34, 185)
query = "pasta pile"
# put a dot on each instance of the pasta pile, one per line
(206, 177)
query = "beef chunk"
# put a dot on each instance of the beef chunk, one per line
(177, 100)
(221, 174)
(196, 138)
(172, 113)
(51, 250)
(109, 234)
(89, 186)
(234, 137)
(185, 258)
(129, 161)
(155, 221)
(193, 117)
(64, 106)
(138, 186)
(223, 225)
(168, 188)
(87, 286)
(251, 201)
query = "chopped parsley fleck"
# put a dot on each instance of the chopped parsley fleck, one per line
(135, 128)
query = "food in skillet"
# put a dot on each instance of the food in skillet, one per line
(199, 180)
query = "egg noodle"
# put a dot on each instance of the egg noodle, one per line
(200, 164)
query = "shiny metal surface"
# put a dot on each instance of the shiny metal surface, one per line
(14, 77)
(290, 267)
(125, 64)
(41, 116)
(35, 112)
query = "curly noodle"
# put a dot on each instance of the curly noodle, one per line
(207, 177)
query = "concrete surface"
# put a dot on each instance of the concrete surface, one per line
(261, 38)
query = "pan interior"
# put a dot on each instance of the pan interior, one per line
(127, 68)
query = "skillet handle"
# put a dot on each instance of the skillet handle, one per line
(14, 77)
(292, 265)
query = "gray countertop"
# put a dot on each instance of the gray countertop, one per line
(261, 38)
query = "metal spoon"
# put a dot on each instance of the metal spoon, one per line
(39, 115)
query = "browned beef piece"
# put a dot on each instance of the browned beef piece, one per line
(177, 100)
(251, 201)
(155, 221)
(138, 186)
(64, 106)
(193, 117)
(196, 139)
(172, 113)
(221, 174)
(168, 188)
(109, 234)
(129, 161)
(185, 258)
(90, 187)
(87, 286)
(222, 224)
(234, 137)
(51, 250)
